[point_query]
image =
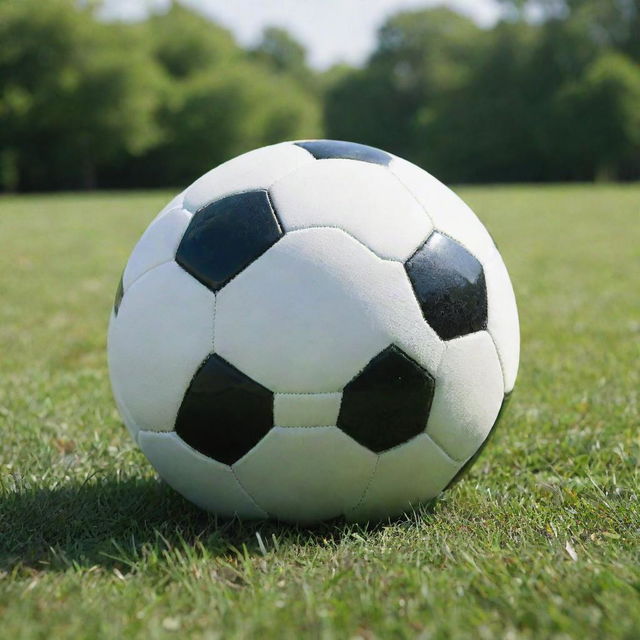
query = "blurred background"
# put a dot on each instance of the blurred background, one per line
(123, 94)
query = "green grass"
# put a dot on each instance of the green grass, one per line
(541, 540)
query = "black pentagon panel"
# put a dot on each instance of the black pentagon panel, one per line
(450, 286)
(119, 296)
(388, 402)
(472, 460)
(226, 236)
(224, 413)
(325, 149)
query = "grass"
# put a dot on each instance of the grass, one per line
(540, 541)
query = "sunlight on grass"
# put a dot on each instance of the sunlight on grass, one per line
(540, 540)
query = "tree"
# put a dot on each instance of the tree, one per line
(484, 131)
(218, 116)
(610, 23)
(600, 117)
(74, 94)
(280, 51)
(422, 57)
(221, 100)
(185, 43)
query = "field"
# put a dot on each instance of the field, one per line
(542, 540)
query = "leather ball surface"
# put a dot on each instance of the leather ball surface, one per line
(311, 330)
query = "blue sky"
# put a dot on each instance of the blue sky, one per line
(332, 30)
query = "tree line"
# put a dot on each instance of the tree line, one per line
(86, 103)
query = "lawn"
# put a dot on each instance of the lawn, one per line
(540, 540)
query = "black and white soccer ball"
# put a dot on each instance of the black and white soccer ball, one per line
(313, 329)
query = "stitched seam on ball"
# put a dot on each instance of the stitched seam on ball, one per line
(289, 173)
(366, 489)
(295, 144)
(249, 189)
(436, 228)
(179, 206)
(120, 404)
(222, 197)
(504, 375)
(213, 323)
(320, 426)
(144, 273)
(445, 452)
(495, 253)
(176, 208)
(464, 246)
(236, 192)
(280, 229)
(383, 168)
(163, 432)
(180, 202)
(256, 504)
(306, 393)
(337, 228)
(231, 193)
(208, 459)
(435, 442)
(410, 192)
(306, 426)
(411, 358)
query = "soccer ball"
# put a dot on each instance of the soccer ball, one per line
(311, 330)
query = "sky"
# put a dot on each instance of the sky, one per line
(331, 30)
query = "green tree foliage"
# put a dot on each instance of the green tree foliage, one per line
(601, 118)
(185, 43)
(74, 94)
(421, 59)
(613, 23)
(84, 102)
(279, 50)
(215, 117)
(482, 131)
(553, 99)
(219, 100)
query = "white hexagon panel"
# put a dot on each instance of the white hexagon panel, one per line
(294, 485)
(312, 330)
(328, 305)
(162, 332)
